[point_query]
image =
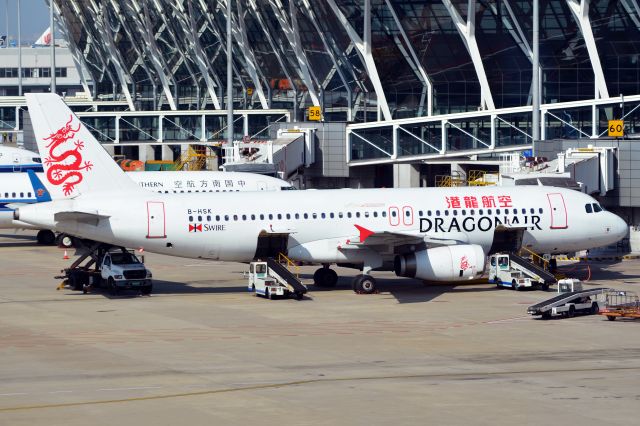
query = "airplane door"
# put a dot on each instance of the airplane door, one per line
(156, 224)
(558, 211)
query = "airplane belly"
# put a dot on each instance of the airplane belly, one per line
(330, 250)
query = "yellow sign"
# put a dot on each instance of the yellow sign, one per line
(249, 91)
(616, 128)
(314, 113)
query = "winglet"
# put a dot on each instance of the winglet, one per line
(364, 233)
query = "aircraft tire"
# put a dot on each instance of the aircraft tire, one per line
(325, 277)
(364, 284)
(113, 289)
(46, 237)
(65, 240)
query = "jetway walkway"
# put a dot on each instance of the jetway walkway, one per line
(292, 150)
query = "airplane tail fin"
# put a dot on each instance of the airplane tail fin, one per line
(40, 191)
(74, 162)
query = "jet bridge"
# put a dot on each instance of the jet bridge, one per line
(591, 166)
(292, 150)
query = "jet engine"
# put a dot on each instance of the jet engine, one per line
(445, 263)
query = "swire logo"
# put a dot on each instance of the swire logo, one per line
(195, 228)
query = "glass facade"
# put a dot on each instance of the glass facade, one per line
(426, 57)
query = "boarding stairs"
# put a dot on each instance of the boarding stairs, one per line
(285, 277)
(531, 270)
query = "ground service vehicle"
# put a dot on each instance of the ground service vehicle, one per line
(270, 279)
(106, 266)
(511, 270)
(621, 304)
(571, 300)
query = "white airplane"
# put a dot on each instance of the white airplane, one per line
(27, 188)
(437, 234)
(14, 159)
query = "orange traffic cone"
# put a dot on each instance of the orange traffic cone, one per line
(66, 256)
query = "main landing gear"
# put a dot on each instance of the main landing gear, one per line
(364, 284)
(325, 277)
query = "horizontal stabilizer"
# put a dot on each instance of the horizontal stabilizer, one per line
(87, 217)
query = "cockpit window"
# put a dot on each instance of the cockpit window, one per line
(596, 207)
(588, 208)
(36, 160)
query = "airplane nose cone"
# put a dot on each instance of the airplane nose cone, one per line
(619, 227)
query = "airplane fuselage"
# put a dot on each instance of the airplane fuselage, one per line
(320, 226)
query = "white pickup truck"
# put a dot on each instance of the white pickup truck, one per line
(122, 270)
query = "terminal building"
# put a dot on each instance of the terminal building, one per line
(410, 93)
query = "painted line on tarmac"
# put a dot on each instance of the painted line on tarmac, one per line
(507, 320)
(442, 376)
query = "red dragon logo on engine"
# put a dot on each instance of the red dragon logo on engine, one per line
(64, 168)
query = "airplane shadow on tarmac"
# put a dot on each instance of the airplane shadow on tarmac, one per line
(406, 290)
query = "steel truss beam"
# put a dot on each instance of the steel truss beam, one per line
(580, 10)
(363, 47)
(467, 31)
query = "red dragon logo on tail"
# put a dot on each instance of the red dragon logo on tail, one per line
(64, 168)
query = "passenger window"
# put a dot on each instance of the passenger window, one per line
(472, 212)
(297, 215)
(253, 217)
(437, 212)
(270, 216)
(13, 195)
(497, 211)
(261, 217)
(288, 216)
(464, 212)
(420, 213)
(244, 217)
(540, 210)
(279, 216)
(597, 208)
(314, 215)
(29, 194)
(190, 218)
(199, 218)
(306, 216)
(515, 211)
(428, 212)
(357, 214)
(446, 212)
(322, 215)
(532, 210)
(208, 218)
(366, 214)
(375, 214)
(480, 212)
(235, 217)
(488, 211)
(331, 215)
(455, 212)
(226, 217)
(217, 218)
(348, 214)
(384, 214)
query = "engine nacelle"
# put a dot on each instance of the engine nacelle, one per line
(445, 263)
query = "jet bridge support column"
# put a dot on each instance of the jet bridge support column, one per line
(406, 175)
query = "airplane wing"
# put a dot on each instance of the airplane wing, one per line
(388, 241)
